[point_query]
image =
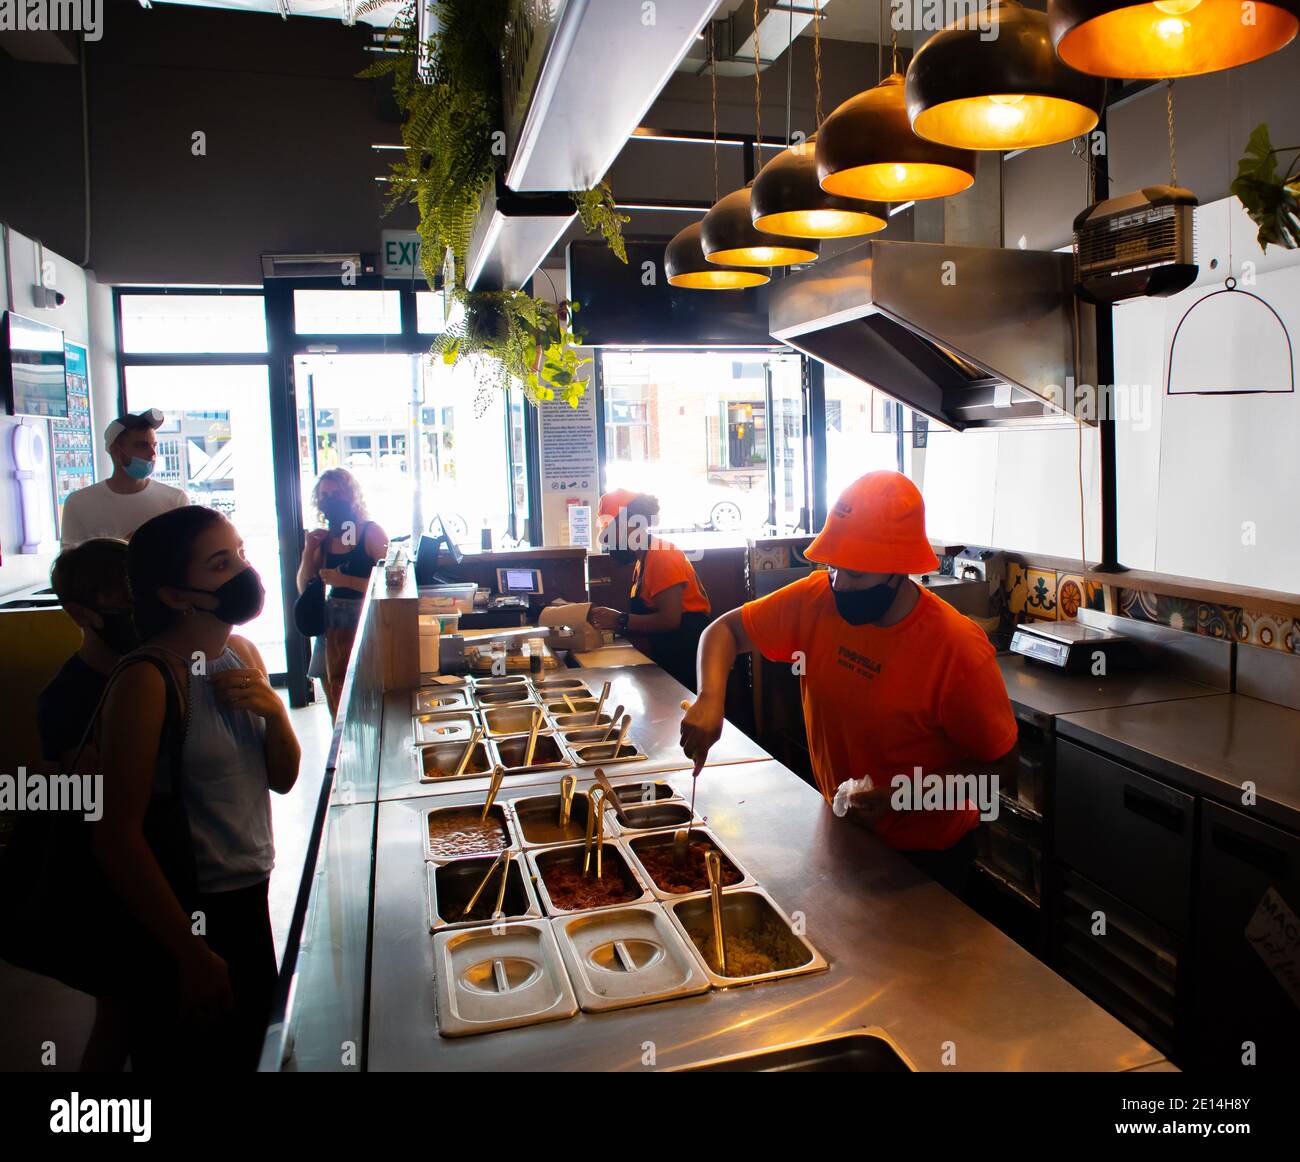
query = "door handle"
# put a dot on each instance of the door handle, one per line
(1252, 851)
(1154, 810)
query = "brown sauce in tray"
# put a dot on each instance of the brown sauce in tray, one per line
(453, 833)
(571, 890)
(661, 865)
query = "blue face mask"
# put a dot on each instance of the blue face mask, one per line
(139, 469)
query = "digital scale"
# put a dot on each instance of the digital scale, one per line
(1075, 648)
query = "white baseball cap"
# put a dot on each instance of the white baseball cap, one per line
(151, 418)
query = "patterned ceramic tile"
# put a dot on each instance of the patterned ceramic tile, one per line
(1177, 612)
(1069, 594)
(1017, 589)
(1291, 638)
(1265, 629)
(770, 557)
(1138, 605)
(1041, 599)
(1221, 621)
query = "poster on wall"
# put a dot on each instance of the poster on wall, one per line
(72, 447)
(568, 463)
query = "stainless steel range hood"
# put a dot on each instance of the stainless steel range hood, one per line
(972, 337)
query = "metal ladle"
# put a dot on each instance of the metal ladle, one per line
(713, 865)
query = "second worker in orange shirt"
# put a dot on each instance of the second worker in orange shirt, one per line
(896, 684)
(667, 606)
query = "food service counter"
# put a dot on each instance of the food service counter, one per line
(903, 975)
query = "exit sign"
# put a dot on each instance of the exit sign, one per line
(401, 253)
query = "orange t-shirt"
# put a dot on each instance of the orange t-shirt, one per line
(881, 701)
(664, 566)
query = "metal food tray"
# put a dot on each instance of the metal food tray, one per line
(551, 689)
(530, 805)
(498, 809)
(513, 718)
(518, 694)
(488, 979)
(550, 753)
(445, 756)
(441, 700)
(629, 752)
(448, 726)
(665, 839)
(576, 721)
(498, 681)
(557, 706)
(540, 857)
(742, 905)
(626, 956)
(470, 870)
(666, 815)
(663, 791)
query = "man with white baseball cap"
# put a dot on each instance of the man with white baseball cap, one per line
(116, 507)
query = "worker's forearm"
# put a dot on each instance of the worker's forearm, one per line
(717, 654)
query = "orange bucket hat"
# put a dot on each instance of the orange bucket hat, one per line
(876, 526)
(612, 503)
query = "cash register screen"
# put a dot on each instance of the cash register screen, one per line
(519, 580)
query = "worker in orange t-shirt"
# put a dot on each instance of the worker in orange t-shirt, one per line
(896, 684)
(667, 605)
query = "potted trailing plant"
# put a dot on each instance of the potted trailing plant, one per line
(1271, 200)
(452, 136)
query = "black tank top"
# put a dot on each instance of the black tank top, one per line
(356, 562)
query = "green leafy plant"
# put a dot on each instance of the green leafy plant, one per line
(598, 211)
(454, 145)
(1271, 201)
(506, 335)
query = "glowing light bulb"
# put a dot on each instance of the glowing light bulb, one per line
(1176, 7)
(1016, 98)
(1003, 115)
(1172, 28)
(900, 174)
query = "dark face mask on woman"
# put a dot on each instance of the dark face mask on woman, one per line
(118, 630)
(238, 600)
(866, 606)
(335, 510)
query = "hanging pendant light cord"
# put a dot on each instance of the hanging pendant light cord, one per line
(880, 45)
(758, 97)
(789, 78)
(1173, 159)
(817, 61)
(713, 79)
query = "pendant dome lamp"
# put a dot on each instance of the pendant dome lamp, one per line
(787, 197)
(1148, 39)
(684, 261)
(1009, 90)
(686, 266)
(728, 234)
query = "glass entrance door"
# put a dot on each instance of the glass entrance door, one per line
(215, 445)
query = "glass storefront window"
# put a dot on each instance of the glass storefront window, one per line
(183, 324)
(347, 312)
(691, 429)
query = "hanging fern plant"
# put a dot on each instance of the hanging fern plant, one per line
(454, 145)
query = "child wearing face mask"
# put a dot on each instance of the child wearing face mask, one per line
(191, 745)
(341, 554)
(90, 581)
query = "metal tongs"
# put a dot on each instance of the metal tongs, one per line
(474, 736)
(498, 772)
(713, 865)
(568, 788)
(502, 861)
(595, 831)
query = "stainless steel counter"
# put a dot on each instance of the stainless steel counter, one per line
(905, 956)
(1045, 693)
(1212, 746)
(649, 694)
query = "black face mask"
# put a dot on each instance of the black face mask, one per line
(239, 599)
(335, 510)
(865, 606)
(118, 631)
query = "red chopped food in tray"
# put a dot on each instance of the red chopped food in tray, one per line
(571, 890)
(660, 863)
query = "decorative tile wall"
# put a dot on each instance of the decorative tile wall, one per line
(1222, 621)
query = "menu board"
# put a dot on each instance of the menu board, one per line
(569, 469)
(72, 448)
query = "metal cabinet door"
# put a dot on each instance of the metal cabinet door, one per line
(1241, 995)
(1126, 832)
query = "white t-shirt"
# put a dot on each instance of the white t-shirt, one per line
(98, 511)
